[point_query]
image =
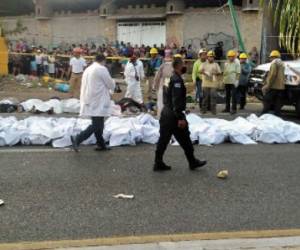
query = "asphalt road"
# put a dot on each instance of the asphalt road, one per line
(52, 195)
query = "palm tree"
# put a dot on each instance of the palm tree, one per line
(286, 18)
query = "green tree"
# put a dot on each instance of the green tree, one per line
(286, 16)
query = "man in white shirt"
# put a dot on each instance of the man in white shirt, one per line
(39, 62)
(95, 102)
(134, 74)
(77, 66)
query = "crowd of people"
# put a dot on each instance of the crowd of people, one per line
(207, 75)
(37, 60)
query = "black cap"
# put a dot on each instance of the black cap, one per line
(100, 58)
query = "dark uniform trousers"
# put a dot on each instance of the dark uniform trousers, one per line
(242, 94)
(272, 101)
(169, 127)
(96, 128)
(231, 95)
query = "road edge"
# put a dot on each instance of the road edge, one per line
(113, 241)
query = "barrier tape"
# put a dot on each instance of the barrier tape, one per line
(119, 58)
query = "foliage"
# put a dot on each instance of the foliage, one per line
(286, 15)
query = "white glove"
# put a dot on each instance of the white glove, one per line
(236, 84)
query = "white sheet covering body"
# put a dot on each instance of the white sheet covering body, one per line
(118, 131)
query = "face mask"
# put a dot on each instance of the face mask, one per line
(184, 70)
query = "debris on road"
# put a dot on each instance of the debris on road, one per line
(223, 174)
(1, 202)
(124, 196)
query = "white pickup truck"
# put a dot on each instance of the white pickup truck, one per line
(292, 89)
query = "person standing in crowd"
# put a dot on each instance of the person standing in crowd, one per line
(197, 76)
(152, 67)
(219, 51)
(173, 121)
(95, 102)
(190, 52)
(161, 51)
(274, 85)
(33, 66)
(76, 67)
(134, 74)
(232, 71)
(162, 77)
(244, 79)
(183, 52)
(210, 71)
(45, 62)
(254, 56)
(51, 67)
(26, 59)
(39, 62)
(136, 50)
(142, 51)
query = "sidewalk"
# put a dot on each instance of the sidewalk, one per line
(287, 243)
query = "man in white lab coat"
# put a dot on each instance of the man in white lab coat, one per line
(134, 74)
(95, 102)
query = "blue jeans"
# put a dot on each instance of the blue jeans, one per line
(199, 93)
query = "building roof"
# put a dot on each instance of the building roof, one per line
(23, 7)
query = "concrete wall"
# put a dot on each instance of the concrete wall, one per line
(208, 25)
(175, 29)
(69, 28)
(195, 26)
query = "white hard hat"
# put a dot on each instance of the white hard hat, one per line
(202, 51)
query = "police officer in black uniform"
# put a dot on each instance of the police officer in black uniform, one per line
(173, 121)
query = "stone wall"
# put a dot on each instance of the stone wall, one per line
(175, 29)
(208, 25)
(67, 28)
(196, 26)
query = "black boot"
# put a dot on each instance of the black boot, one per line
(161, 167)
(75, 144)
(197, 164)
(102, 148)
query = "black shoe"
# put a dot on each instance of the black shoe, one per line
(233, 112)
(102, 148)
(161, 167)
(225, 111)
(197, 164)
(75, 145)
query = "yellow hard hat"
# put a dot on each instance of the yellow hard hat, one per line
(231, 53)
(178, 56)
(243, 56)
(275, 53)
(211, 53)
(154, 51)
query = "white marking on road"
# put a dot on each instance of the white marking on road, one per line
(34, 150)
